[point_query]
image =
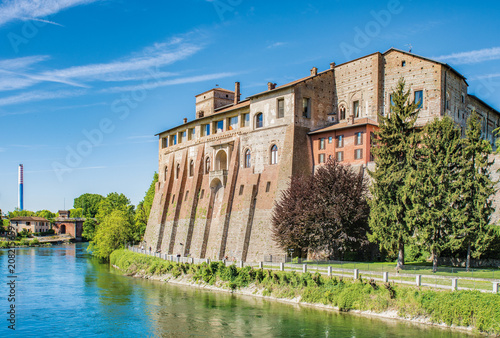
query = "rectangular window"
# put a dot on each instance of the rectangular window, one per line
(321, 158)
(358, 154)
(306, 107)
(187, 194)
(173, 140)
(339, 155)
(419, 98)
(268, 186)
(182, 136)
(191, 134)
(233, 123)
(358, 138)
(164, 142)
(281, 108)
(245, 120)
(202, 193)
(206, 129)
(241, 189)
(322, 143)
(330, 139)
(218, 126)
(355, 108)
(340, 141)
(463, 98)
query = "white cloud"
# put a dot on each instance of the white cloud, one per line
(21, 63)
(486, 76)
(12, 10)
(39, 96)
(276, 44)
(157, 84)
(474, 56)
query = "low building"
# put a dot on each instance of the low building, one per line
(31, 224)
(64, 224)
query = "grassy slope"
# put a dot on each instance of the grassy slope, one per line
(462, 308)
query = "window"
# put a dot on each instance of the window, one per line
(358, 154)
(339, 155)
(268, 186)
(182, 136)
(403, 63)
(245, 120)
(233, 123)
(247, 158)
(372, 138)
(321, 158)
(322, 143)
(330, 139)
(166, 172)
(207, 165)
(241, 189)
(391, 99)
(164, 142)
(173, 199)
(218, 126)
(187, 194)
(192, 134)
(463, 98)
(306, 107)
(259, 120)
(340, 141)
(355, 108)
(274, 154)
(202, 193)
(191, 168)
(178, 171)
(358, 138)
(205, 130)
(342, 113)
(173, 140)
(281, 108)
(419, 98)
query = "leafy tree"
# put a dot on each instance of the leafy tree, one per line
(89, 203)
(114, 201)
(76, 213)
(291, 217)
(325, 213)
(89, 227)
(5, 223)
(20, 213)
(395, 159)
(473, 230)
(48, 215)
(143, 209)
(435, 188)
(113, 233)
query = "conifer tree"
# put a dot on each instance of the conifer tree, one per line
(394, 158)
(473, 230)
(435, 189)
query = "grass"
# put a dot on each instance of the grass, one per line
(461, 308)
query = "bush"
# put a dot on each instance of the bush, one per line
(34, 242)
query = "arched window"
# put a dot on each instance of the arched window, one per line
(166, 172)
(178, 171)
(247, 158)
(259, 120)
(191, 168)
(207, 165)
(342, 113)
(274, 154)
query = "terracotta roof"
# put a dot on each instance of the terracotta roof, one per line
(29, 218)
(225, 109)
(345, 125)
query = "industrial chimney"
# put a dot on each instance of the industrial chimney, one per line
(20, 180)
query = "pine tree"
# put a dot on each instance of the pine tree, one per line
(394, 158)
(473, 230)
(435, 188)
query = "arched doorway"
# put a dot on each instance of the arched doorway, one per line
(221, 160)
(63, 229)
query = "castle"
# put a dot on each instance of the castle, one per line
(221, 173)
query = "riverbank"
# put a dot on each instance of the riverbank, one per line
(466, 310)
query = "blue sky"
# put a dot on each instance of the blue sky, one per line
(86, 84)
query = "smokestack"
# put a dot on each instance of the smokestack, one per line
(314, 71)
(236, 92)
(20, 180)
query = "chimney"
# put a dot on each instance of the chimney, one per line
(271, 86)
(332, 65)
(236, 92)
(185, 120)
(314, 71)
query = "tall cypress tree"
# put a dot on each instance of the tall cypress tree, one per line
(435, 188)
(395, 159)
(473, 230)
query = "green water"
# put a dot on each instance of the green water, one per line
(63, 292)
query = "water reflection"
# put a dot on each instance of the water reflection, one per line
(64, 292)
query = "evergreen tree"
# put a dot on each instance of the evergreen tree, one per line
(434, 186)
(395, 159)
(473, 230)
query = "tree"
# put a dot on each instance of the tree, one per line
(434, 186)
(326, 213)
(20, 213)
(113, 233)
(114, 201)
(291, 217)
(394, 152)
(89, 204)
(48, 215)
(473, 229)
(143, 210)
(89, 227)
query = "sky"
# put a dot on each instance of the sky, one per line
(86, 84)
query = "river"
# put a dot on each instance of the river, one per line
(63, 292)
